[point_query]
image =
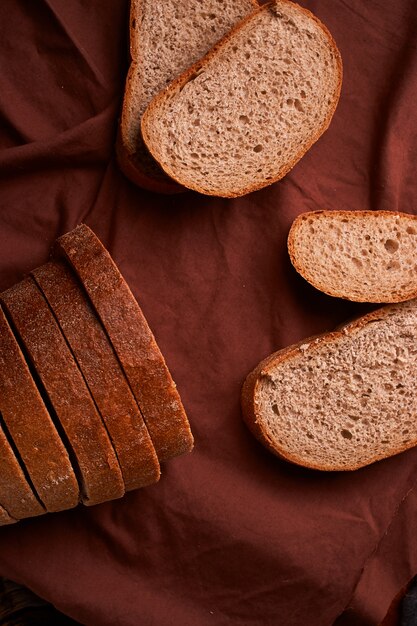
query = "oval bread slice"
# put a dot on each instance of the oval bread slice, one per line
(365, 256)
(341, 400)
(166, 37)
(243, 116)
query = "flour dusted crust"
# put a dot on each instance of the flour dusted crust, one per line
(16, 495)
(132, 340)
(102, 372)
(252, 409)
(99, 471)
(32, 429)
(375, 250)
(151, 120)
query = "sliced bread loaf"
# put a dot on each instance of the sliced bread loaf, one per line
(102, 372)
(241, 118)
(166, 37)
(31, 428)
(88, 442)
(366, 256)
(341, 400)
(132, 340)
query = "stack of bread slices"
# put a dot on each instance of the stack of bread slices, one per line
(224, 96)
(345, 399)
(88, 408)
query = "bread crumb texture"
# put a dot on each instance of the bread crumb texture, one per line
(251, 110)
(346, 399)
(166, 38)
(366, 256)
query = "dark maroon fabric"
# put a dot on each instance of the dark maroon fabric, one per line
(230, 535)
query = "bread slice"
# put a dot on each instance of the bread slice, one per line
(166, 37)
(243, 116)
(31, 428)
(342, 400)
(132, 340)
(17, 497)
(93, 455)
(102, 372)
(366, 256)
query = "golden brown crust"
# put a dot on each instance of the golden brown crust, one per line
(179, 82)
(132, 339)
(32, 429)
(102, 372)
(349, 215)
(250, 412)
(99, 470)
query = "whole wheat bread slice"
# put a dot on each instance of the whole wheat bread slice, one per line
(341, 400)
(365, 256)
(166, 37)
(243, 116)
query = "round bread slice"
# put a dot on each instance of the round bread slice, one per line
(341, 400)
(16, 495)
(243, 116)
(102, 372)
(31, 428)
(93, 456)
(5, 518)
(132, 340)
(364, 256)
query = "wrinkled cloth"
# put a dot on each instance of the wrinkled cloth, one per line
(230, 534)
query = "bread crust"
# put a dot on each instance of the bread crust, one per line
(179, 82)
(129, 162)
(16, 495)
(252, 416)
(103, 375)
(132, 340)
(349, 215)
(32, 429)
(131, 168)
(99, 470)
(5, 518)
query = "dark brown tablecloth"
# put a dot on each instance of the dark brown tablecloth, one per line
(230, 535)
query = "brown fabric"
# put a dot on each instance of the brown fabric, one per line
(230, 534)
(132, 339)
(31, 428)
(93, 455)
(98, 363)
